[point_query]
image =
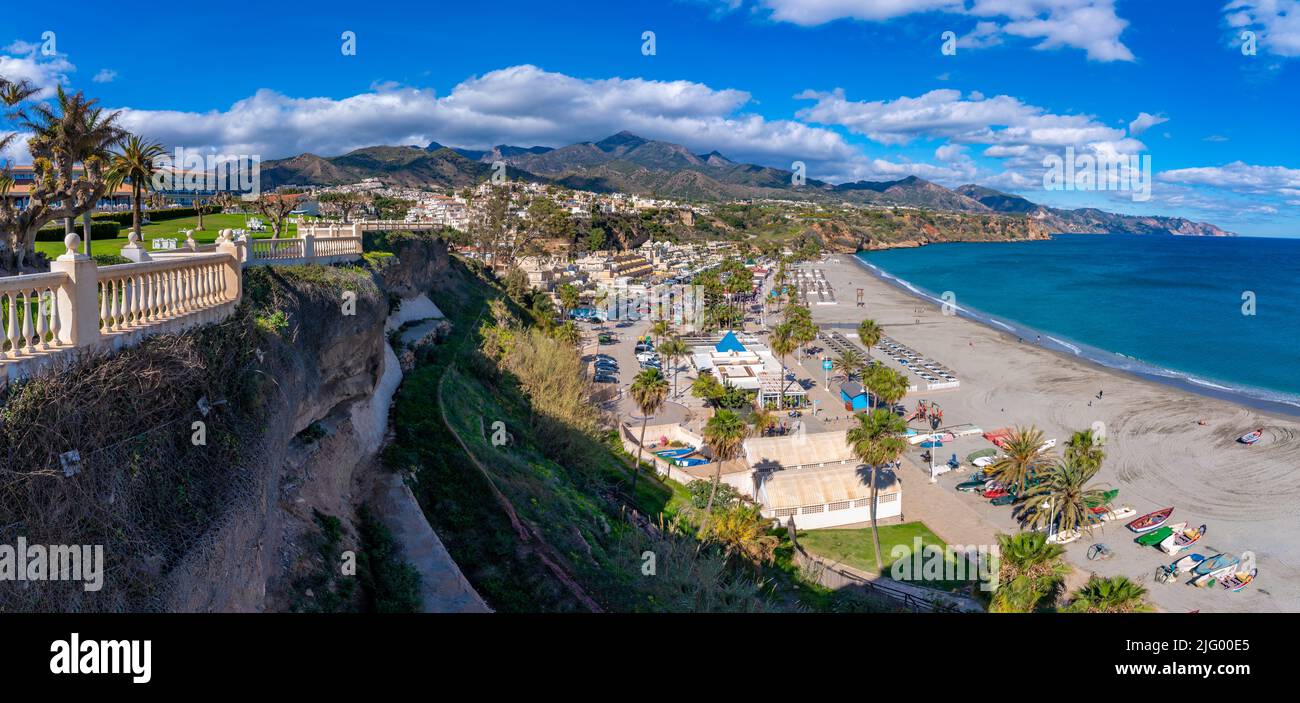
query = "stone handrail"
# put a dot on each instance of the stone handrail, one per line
(81, 306)
(29, 313)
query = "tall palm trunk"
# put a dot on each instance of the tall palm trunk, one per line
(875, 533)
(713, 492)
(640, 446)
(136, 196)
(85, 227)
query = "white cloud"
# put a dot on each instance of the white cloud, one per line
(1276, 23)
(46, 73)
(105, 75)
(521, 105)
(1145, 121)
(1004, 123)
(1090, 25)
(1240, 177)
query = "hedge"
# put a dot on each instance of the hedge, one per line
(98, 230)
(124, 218)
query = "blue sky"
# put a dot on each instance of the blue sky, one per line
(856, 89)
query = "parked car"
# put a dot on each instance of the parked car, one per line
(605, 378)
(606, 367)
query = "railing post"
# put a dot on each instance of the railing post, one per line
(232, 271)
(309, 246)
(356, 229)
(79, 303)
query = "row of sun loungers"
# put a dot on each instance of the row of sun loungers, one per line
(927, 369)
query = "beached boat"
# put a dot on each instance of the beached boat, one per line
(673, 453)
(1123, 512)
(1171, 572)
(1007, 499)
(1151, 521)
(1158, 535)
(984, 462)
(1182, 539)
(1210, 574)
(995, 492)
(1218, 562)
(1065, 536)
(1239, 580)
(1252, 436)
(981, 454)
(972, 486)
(690, 462)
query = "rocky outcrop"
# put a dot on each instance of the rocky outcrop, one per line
(331, 379)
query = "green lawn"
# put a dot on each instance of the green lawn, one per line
(167, 229)
(854, 547)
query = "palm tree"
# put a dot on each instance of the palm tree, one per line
(648, 391)
(762, 419)
(135, 162)
(568, 297)
(869, 333)
(706, 387)
(887, 386)
(568, 333)
(877, 441)
(1029, 569)
(79, 133)
(1116, 594)
(659, 329)
(850, 364)
(743, 530)
(724, 433)
(1025, 456)
(1062, 499)
(783, 344)
(1084, 447)
(673, 350)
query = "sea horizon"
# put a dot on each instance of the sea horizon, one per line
(1103, 334)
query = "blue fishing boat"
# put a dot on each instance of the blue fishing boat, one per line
(674, 453)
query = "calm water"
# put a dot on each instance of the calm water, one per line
(1169, 307)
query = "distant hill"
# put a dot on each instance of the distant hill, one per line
(625, 162)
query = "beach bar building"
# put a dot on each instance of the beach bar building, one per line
(829, 497)
(816, 479)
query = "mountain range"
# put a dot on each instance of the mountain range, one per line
(627, 163)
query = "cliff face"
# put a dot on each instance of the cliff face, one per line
(292, 393)
(913, 228)
(335, 376)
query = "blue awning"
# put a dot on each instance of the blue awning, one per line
(729, 343)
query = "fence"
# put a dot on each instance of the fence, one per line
(79, 306)
(915, 598)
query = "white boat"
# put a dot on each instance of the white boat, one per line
(985, 461)
(933, 437)
(1064, 537)
(1182, 539)
(1120, 513)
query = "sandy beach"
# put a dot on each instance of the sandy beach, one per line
(1157, 453)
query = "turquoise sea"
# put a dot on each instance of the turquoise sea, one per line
(1220, 316)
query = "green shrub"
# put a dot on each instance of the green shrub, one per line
(98, 230)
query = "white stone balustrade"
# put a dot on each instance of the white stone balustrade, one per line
(81, 306)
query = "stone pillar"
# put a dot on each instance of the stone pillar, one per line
(309, 247)
(356, 229)
(134, 249)
(234, 268)
(79, 300)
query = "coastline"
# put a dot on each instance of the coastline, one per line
(1165, 446)
(1254, 398)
